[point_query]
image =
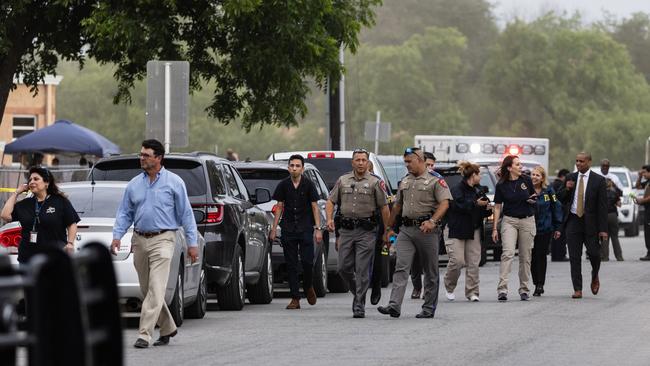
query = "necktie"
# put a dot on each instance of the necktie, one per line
(580, 209)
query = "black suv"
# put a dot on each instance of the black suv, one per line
(237, 258)
(267, 175)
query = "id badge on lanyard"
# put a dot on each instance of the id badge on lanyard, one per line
(33, 234)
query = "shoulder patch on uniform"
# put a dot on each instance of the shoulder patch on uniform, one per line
(382, 185)
(442, 183)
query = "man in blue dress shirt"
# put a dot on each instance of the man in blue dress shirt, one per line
(156, 203)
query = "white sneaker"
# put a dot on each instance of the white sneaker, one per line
(450, 296)
(473, 298)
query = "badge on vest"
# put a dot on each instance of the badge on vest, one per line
(50, 210)
(33, 237)
(524, 186)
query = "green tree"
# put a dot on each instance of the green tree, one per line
(414, 85)
(256, 54)
(634, 33)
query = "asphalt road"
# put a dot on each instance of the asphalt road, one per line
(612, 328)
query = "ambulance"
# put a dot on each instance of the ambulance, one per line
(486, 150)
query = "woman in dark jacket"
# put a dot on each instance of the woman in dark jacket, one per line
(548, 219)
(465, 219)
(613, 202)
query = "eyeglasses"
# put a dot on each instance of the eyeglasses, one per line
(145, 155)
(359, 150)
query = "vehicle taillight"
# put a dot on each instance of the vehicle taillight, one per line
(10, 239)
(213, 213)
(513, 150)
(320, 155)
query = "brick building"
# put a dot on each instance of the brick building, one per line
(25, 112)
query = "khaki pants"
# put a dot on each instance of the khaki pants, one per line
(516, 231)
(152, 259)
(410, 240)
(463, 253)
(356, 252)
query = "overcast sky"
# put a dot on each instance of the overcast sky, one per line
(591, 10)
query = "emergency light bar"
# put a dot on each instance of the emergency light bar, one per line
(500, 149)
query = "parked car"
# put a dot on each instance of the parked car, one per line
(237, 260)
(628, 213)
(96, 205)
(332, 165)
(395, 169)
(267, 175)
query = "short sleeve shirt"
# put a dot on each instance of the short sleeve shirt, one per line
(421, 196)
(55, 215)
(359, 197)
(297, 215)
(514, 194)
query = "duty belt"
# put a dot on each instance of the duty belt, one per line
(350, 223)
(415, 222)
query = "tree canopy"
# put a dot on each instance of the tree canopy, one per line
(256, 55)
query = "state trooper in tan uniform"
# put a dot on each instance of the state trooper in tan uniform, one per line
(359, 195)
(423, 200)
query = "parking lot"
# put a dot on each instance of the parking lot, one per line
(612, 328)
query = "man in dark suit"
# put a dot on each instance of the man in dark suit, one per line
(585, 220)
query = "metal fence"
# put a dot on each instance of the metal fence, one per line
(10, 178)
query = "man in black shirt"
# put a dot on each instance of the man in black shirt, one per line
(645, 201)
(297, 206)
(558, 246)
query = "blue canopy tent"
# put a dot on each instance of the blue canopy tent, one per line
(61, 137)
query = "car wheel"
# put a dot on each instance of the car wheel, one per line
(232, 295)
(262, 291)
(198, 308)
(176, 306)
(320, 275)
(632, 229)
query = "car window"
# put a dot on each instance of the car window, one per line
(97, 202)
(622, 176)
(243, 192)
(262, 178)
(312, 177)
(331, 169)
(217, 185)
(233, 189)
(486, 180)
(190, 171)
(379, 169)
(322, 185)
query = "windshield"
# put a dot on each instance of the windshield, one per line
(98, 202)
(331, 169)
(262, 178)
(623, 178)
(486, 180)
(191, 172)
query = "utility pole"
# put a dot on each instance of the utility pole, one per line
(336, 109)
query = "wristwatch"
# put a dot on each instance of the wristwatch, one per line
(317, 228)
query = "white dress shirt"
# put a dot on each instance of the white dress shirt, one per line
(585, 179)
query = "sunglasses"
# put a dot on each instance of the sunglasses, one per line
(411, 150)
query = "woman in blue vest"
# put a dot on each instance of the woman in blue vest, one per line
(548, 219)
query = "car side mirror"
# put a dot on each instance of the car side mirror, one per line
(199, 216)
(262, 195)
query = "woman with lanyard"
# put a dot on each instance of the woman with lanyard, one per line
(516, 198)
(548, 219)
(47, 217)
(465, 223)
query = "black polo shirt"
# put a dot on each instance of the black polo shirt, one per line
(55, 215)
(513, 194)
(297, 216)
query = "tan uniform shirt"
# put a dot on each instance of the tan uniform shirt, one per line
(359, 198)
(420, 196)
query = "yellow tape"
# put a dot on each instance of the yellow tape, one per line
(7, 189)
